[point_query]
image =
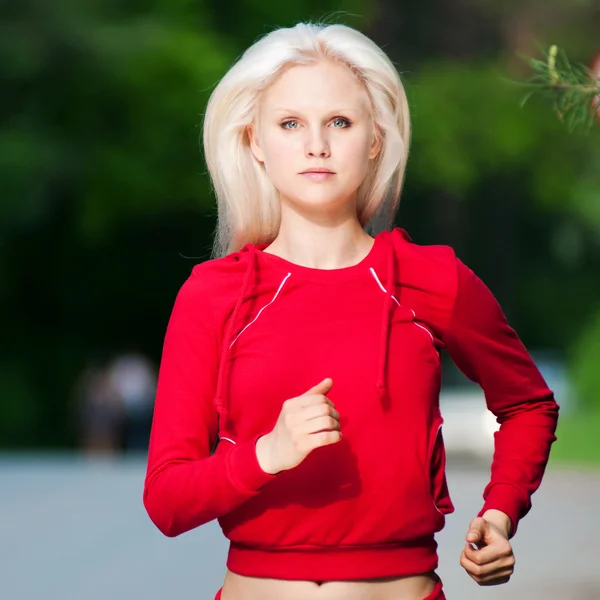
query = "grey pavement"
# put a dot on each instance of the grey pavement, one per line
(75, 529)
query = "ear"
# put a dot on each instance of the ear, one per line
(377, 143)
(254, 143)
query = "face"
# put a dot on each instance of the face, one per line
(315, 117)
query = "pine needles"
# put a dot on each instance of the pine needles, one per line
(574, 89)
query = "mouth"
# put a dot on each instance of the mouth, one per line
(318, 170)
(318, 176)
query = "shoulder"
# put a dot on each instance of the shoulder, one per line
(215, 282)
(428, 276)
(216, 271)
(427, 266)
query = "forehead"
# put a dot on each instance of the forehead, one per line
(320, 86)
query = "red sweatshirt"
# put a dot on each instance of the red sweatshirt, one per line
(250, 330)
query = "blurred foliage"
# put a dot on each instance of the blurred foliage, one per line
(526, 195)
(586, 360)
(103, 188)
(577, 440)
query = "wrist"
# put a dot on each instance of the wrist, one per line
(500, 520)
(263, 455)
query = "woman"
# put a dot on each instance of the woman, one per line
(308, 351)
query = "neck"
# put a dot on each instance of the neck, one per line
(321, 246)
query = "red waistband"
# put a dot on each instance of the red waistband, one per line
(335, 563)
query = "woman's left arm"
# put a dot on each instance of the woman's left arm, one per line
(488, 351)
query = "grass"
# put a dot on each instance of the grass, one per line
(578, 439)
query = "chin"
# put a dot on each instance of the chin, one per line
(322, 200)
(320, 194)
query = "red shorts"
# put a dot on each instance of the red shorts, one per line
(437, 594)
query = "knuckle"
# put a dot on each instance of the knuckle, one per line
(320, 439)
(477, 570)
(329, 437)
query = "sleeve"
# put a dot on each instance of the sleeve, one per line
(488, 351)
(185, 486)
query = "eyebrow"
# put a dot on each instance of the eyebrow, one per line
(333, 112)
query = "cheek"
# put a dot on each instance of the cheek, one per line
(354, 154)
(280, 155)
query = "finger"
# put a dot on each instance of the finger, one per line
(488, 554)
(312, 400)
(476, 531)
(317, 425)
(492, 577)
(496, 579)
(322, 387)
(319, 410)
(324, 438)
(484, 570)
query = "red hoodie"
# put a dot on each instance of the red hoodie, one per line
(250, 330)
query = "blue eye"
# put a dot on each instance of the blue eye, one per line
(286, 123)
(345, 122)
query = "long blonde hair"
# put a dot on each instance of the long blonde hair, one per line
(247, 202)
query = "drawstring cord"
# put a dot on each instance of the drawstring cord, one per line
(385, 321)
(220, 403)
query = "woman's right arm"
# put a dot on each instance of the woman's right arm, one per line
(185, 487)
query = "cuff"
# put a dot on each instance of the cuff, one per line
(244, 469)
(507, 499)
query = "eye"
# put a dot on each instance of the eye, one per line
(285, 124)
(341, 123)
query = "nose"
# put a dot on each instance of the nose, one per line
(317, 144)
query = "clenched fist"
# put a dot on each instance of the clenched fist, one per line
(492, 562)
(304, 423)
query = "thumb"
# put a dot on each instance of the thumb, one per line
(477, 530)
(322, 387)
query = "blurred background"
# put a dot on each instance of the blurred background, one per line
(105, 206)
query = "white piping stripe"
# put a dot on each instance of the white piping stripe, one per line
(425, 329)
(260, 311)
(227, 439)
(398, 303)
(377, 278)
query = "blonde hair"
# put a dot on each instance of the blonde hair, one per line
(247, 202)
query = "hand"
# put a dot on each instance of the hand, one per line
(492, 561)
(304, 423)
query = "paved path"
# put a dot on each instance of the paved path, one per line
(71, 529)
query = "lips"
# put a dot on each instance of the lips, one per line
(318, 176)
(318, 171)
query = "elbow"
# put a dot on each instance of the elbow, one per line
(545, 408)
(159, 510)
(550, 406)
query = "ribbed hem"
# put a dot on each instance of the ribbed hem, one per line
(508, 499)
(335, 563)
(244, 468)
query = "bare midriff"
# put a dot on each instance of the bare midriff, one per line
(414, 587)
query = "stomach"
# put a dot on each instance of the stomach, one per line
(413, 587)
